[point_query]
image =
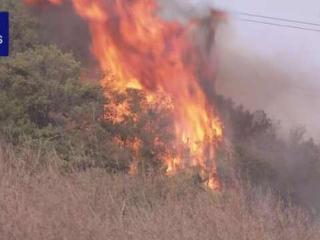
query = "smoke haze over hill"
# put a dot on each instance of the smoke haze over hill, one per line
(283, 85)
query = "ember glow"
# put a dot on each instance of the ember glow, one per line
(140, 50)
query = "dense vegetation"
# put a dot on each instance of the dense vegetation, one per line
(51, 116)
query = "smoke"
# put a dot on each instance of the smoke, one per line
(286, 91)
(281, 86)
(184, 10)
(61, 26)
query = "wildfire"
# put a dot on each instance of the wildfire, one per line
(142, 51)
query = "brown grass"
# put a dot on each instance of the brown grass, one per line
(38, 201)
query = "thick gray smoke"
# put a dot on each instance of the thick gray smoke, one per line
(282, 86)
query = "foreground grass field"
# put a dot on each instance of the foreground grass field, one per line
(39, 201)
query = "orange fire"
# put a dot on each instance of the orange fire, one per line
(141, 50)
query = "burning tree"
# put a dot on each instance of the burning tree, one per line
(140, 51)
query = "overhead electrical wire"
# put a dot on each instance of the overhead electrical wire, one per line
(280, 22)
(276, 18)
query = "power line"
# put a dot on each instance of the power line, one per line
(278, 24)
(276, 18)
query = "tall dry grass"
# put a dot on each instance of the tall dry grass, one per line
(39, 201)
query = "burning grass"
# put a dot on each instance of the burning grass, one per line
(39, 201)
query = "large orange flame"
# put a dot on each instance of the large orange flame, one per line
(142, 51)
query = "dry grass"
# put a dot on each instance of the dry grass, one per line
(37, 201)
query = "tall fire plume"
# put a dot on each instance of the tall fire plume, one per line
(138, 49)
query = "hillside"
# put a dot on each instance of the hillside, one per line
(72, 167)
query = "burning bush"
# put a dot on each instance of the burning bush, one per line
(43, 99)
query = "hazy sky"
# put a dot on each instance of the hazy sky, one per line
(292, 94)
